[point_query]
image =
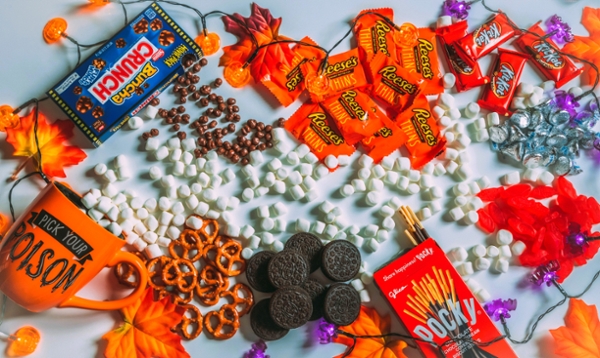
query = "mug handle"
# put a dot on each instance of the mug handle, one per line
(120, 256)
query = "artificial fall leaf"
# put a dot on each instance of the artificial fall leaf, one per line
(55, 155)
(370, 323)
(265, 29)
(587, 48)
(146, 330)
(580, 337)
(3, 224)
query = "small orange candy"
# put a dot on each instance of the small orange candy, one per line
(99, 2)
(407, 35)
(54, 29)
(23, 342)
(7, 118)
(236, 75)
(317, 84)
(210, 43)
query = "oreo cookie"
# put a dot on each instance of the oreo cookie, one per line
(317, 292)
(340, 260)
(263, 325)
(291, 307)
(308, 245)
(288, 268)
(342, 304)
(257, 271)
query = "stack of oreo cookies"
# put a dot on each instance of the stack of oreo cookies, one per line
(297, 298)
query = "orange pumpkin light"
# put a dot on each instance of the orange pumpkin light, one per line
(210, 43)
(236, 74)
(7, 118)
(23, 342)
(99, 2)
(54, 30)
(317, 84)
(407, 35)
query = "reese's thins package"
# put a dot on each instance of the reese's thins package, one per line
(125, 74)
(374, 35)
(422, 59)
(435, 304)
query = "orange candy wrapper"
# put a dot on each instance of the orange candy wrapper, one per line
(311, 125)
(287, 82)
(344, 71)
(386, 140)
(424, 141)
(374, 34)
(394, 84)
(422, 59)
(355, 114)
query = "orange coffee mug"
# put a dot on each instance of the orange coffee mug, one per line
(54, 249)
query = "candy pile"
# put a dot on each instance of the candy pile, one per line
(545, 231)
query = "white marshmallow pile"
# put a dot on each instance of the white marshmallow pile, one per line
(528, 95)
(466, 203)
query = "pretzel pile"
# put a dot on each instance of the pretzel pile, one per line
(201, 263)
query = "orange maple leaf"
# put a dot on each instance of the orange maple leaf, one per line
(265, 29)
(587, 48)
(369, 322)
(146, 331)
(580, 337)
(51, 138)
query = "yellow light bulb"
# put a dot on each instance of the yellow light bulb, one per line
(54, 29)
(210, 43)
(23, 342)
(317, 84)
(236, 74)
(407, 35)
(99, 2)
(7, 118)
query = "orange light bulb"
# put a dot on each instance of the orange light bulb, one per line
(99, 2)
(210, 43)
(407, 35)
(236, 75)
(54, 29)
(23, 342)
(317, 84)
(7, 118)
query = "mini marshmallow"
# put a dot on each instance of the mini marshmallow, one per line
(311, 196)
(176, 154)
(438, 112)
(114, 228)
(337, 211)
(454, 113)
(302, 225)
(483, 295)
(403, 183)
(295, 178)
(388, 224)
(280, 225)
(370, 230)
(253, 182)
(184, 191)
(461, 189)
(346, 190)
(326, 207)
(165, 218)
(473, 285)
(445, 122)
(174, 143)
(177, 208)
(282, 147)
(462, 142)
(331, 161)
(256, 157)
(402, 164)
(426, 181)
(213, 214)
(501, 266)
(278, 134)
(282, 174)
(110, 176)
(492, 251)
(458, 128)
(152, 144)
(478, 250)
(386, 211)
(357, 284)
(100, 169)
(413, 188)
(414, 175)
(260, 191)
(493, 119)
(394, 203)
(130, 237)
(262, 211)
(188, 144)
(475, 203)
(424, 213)
(364, 173)
(209, 195)
(548, 86)
(104, 204)
(136, 203)
(372, 245)
(164, 204)
(435, 206)
(162, 230)
(378, 171)
(173, 232)
(178, 169)
(364, 296)
(330, 217)
(474, 188)
(190, 171)
(279, 187)
(247, 231)
(518, 103)
(366, 277)
(330, 231)
(382, 236)
(139, 228)
(532, 175)
(505, 251)
(254, 242)
(161, 153)
(203, 179)
(135, 123)
(340, 236)
(482, 264)
(305, 169)
(232, 230)
(511, 178)
(450, 154)
(449, 79)
(274, 164)
(443, 21)
(435, 193)
(226, 217)
(155, 172)
(372, 198)
(202, 209)
(482, 135)
(375, 185)
(465, 269)
(278, 246)
(150, 237)
(212, 155)
(445, 100)
(269, 180)
(215, 181)
(428, 168)
(484, 182)
(292, 158)
(302, 150)
(458, 254)
(89, 200)
(311, 158)
(365, 161)
(318, 227)
(472, 110)
(163, 241)
(546, 178)
(167, 181)
(456, 214)
(194, 222)
(518, 248)
(191, 202)
(221, 203)
(471, 217)
(504, 237)
(142, 213)
(247, 253)
(139, 244)
(524, 89)
(450, 137)
(308, 183)
(248, 171)
(296, 192)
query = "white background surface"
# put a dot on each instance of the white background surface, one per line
(28, 67)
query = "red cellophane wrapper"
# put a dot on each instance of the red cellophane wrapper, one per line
(423, 138)
(386, 140)
(287, 82)
(544, 55)
(374, 35)
(467, 72)
(422, 59)
(394, 84)
(487, 37)
(504, 81)
(355, 114)
(311, 125)
(344, 71)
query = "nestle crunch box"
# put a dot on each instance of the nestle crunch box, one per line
(125, 74)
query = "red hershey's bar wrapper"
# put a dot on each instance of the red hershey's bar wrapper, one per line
(434, 303)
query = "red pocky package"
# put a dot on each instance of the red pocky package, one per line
(546, 58)
(422, 59)
(311, 125)
(467, 71)
(504, 81)
(489, 36)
